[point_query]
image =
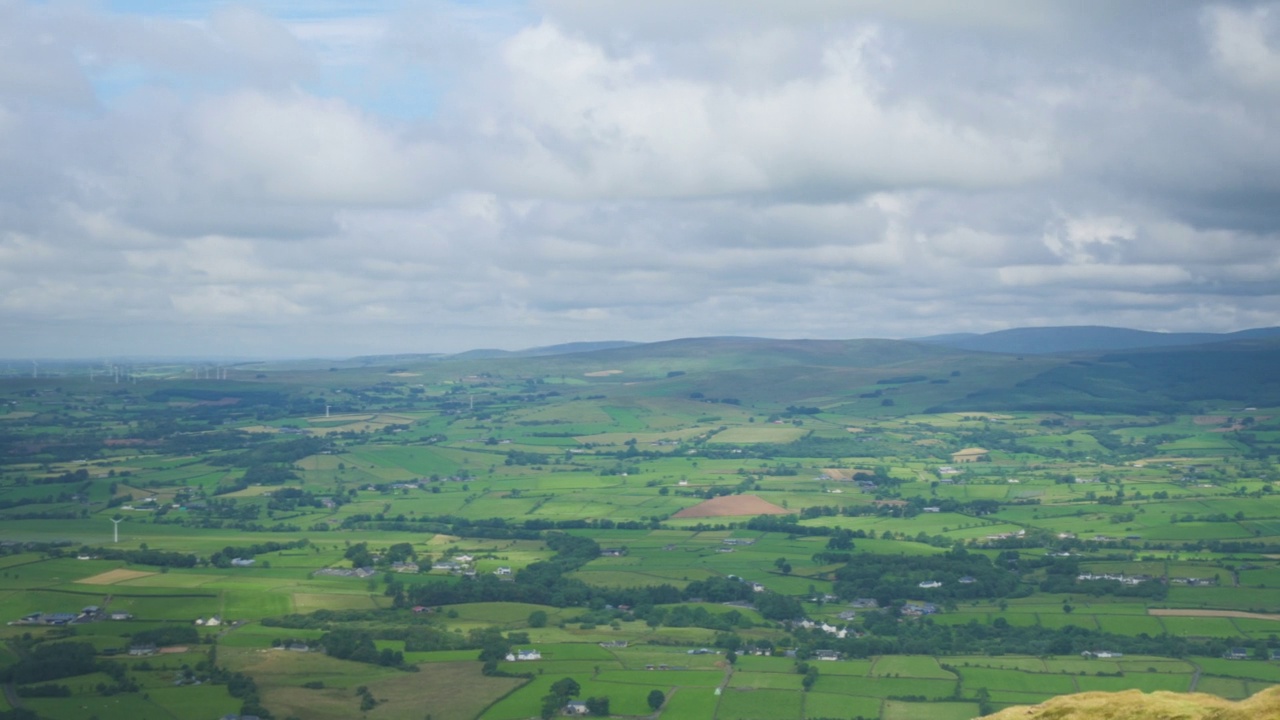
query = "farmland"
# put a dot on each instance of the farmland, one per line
(749, 532)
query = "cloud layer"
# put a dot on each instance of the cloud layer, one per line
(328, 181)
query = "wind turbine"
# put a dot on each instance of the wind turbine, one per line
(116, 527)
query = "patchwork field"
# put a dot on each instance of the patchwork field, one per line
(737, 537)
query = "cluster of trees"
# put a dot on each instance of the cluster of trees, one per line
(357, 645)
(897, 577)
(545, 583)
(167, 635)
(52, 661)
(278, 452)
(73, 476)
(288, 499)
(563, 690)
(222, 558)
(887, 635)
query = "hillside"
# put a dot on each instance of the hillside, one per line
(1151, 380)
(879, 377)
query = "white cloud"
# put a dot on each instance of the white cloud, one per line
(1245, 44)
(298, 148)
(1087, 239)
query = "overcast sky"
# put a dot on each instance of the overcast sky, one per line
(333, 177)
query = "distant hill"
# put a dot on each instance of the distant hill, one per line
(753, 352)
(874, 377)
(1144, 380)
(549, 350)
(1083, 338)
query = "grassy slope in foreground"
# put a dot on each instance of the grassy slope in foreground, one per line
(1136, 705)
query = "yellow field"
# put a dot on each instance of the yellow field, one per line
(643, 438)
(306, 602)
(111, 577)
(603, 373)
(1213, 613)
(770, 434)
(362, 422)
(257, 490)
(173, 580)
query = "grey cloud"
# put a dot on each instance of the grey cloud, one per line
(637, 170)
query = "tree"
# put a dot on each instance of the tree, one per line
(566, 688)
(656, 698)
(598, 706)
(810, 677)
(561, 691)
(537, 619)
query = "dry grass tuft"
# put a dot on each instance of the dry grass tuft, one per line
(1136, 705)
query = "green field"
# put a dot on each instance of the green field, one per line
(545, 488)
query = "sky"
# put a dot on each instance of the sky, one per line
(336, 178)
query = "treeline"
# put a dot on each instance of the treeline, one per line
(222, 558)
(418, 632)
(155, 558)
(1061, 576)
(167, 635)
(358, 645)
(490, 528)
(327, 619)
(898, 577)
(911, 507)
(281, 452)
(43, 691)
(288, 499)
(244, 396)
(889, 636)
(74, 476)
